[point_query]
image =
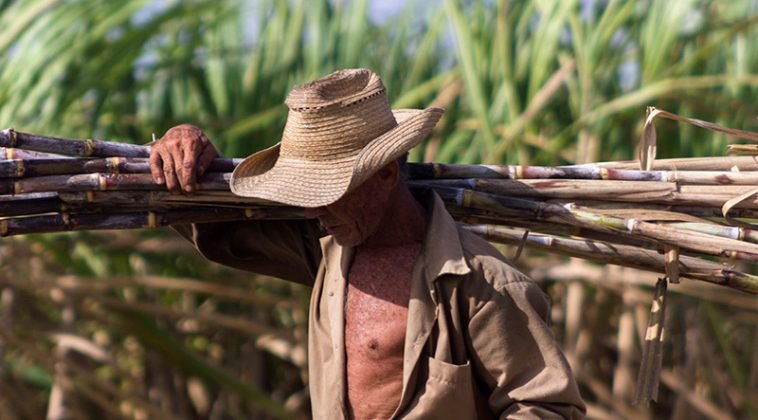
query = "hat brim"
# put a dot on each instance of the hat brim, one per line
(303, 183)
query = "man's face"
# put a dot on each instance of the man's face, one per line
(357, 215)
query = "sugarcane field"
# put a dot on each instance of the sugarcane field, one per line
(237, 209)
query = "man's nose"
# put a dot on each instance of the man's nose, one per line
(314, 212)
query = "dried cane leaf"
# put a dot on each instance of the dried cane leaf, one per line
(648, 140)
(521, 245)
(740, 134)
(736, 200)
(652, 355)
(742, 149)
(672, 263)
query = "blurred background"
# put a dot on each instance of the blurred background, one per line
(136, 325)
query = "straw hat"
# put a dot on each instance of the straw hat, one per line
(340, 130)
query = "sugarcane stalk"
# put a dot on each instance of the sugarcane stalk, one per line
(694, 241)
(74, 221)
(624, 255)
(623, 191)
(472, 216)
(19, 168)
(586, 172)
(9, 153)
(110, 202)
(742, 149)
(575, 216)
(643, 211)
(30, 204)
(560, 188)
(731, 232)
(616, 201)
(502, 206)
(10, 138)
(514, 207)
(68, 147)
(162, 198)
(49, 164)
(599, 170)
(102, 182)
(27, 196)
(660, 212)
(710, 163)
(114, 201)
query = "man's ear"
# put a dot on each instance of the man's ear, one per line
(389, 175)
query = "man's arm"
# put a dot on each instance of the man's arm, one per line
(514, 353)
(285, 249)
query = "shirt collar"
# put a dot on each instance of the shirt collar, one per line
(442, 252)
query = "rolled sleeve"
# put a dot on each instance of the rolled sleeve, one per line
(286, 249)
(514, 353)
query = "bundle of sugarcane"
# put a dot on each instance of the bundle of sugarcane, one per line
(690, 217)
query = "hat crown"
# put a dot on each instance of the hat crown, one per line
(336, 116)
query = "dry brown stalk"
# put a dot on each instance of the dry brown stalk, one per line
(578, 217)
(742, 149)
(73, 221)
(638, 192)
(690, 267)
(102, 182)
(430, 171)
(8, 153)
(11, 138)
(652, 348)
(606, 202)
(710, 163)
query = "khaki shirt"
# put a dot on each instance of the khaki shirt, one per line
(477, 344)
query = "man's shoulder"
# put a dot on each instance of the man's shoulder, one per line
(494, 282)
(488, 263)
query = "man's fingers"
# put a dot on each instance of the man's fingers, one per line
(180, 156)
(169, 172)
(206, 157)
(187, 172)
(156, 167)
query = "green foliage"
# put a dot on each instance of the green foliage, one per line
(532, 82)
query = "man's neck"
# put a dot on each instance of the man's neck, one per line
(403, 223)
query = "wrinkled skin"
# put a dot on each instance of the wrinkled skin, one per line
(180, 157)
(376, 318)
(356, 217)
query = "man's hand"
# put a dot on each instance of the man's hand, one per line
(180, 156)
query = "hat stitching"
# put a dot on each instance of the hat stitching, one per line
(315, 108)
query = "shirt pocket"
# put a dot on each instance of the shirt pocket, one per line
(447, 394)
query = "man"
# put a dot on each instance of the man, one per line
(410, 316)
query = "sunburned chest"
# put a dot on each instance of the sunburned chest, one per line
(376, 307)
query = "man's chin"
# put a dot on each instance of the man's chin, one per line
(345, 241)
